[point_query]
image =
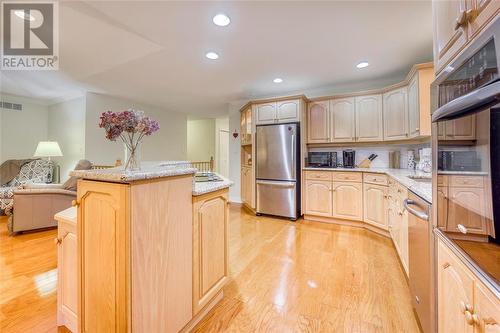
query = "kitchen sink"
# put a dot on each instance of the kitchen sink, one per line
(421, 179)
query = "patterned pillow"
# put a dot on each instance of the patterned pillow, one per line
(38, 171)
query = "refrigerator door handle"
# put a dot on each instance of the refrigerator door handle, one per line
(278, 184)
(294, 175)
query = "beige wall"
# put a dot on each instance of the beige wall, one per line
(200, 139)
(66, 125)
(169, 143)
(20, 131)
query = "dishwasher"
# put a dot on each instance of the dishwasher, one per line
(420, 258)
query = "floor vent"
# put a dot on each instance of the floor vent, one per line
(11, 106)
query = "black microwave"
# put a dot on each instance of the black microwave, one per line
(322, 159)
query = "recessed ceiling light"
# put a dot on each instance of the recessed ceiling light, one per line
(221, 20)
(362, 64)
(278, 80)
(212, 55)
(23, 15)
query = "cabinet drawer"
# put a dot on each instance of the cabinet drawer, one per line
(319, 175)
(348, 176)
(466, 181)
(375, 178)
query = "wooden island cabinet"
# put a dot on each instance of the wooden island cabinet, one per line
(152, 255)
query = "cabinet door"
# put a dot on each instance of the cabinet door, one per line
(486, 310)
(348, 200)
(318, 198)
(461, 129)
(342, 120)
(441, 131)
(243, 189)
(403, 240)
(442, 202)
(396, 114)
(248, 124)
(375, 205)
(104, 256)
(369, 124)
(210, 217)
(67, 286)
(455, 288)
(317, 122)
(243, 127)
(449, 38)
(467, 207)
(288, 111)
(265, 113)
(483, 11)
(413, 108)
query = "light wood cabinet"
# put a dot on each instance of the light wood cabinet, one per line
(342, 120)
(246, 126)
(284, 111)
(265, 113)
(318, 129)
(480, 13)
(458, 129)
(419, 114)
(449, 36)
(455, 287)
(67, 286)
(369, 124)
(395, 107)
(486, 310)
(465, 304)
(456, 23)
(375, 205)
(247, 186)
(210, 265)
(134, 273)
(398, 222)
(318, 197)
(288, 111)
(348, 200)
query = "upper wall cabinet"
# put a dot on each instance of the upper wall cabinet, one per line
(265, 113)
(278, 112)
(342, 120)
(246, 126)
(458, 129)
(396, 114)
(317, 122)
(456, 23)
(419, 102)
(369, 125)
(450, 34)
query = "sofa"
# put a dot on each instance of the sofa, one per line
(36, 171)
(34, 205)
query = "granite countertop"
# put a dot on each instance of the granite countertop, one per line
(422, 189)
(149, 170)
(207, 187)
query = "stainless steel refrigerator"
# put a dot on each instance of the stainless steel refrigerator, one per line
(278, 170)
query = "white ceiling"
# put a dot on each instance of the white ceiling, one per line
(153, 51)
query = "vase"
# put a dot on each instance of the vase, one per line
(133, 161)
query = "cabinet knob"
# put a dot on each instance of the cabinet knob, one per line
(57, 240)
(465, 307)
(462, 229)
(470, 318)
(471, 15)
(75, 203)
(446, 265)
(461, 20)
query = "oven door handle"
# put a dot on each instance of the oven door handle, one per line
(422, 215)
(466, 104)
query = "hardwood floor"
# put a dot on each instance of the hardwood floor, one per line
(28, 281)
(310, 277)
(286, 277)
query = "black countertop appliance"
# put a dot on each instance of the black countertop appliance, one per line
(349, 158)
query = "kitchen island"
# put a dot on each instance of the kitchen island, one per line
(152, 248)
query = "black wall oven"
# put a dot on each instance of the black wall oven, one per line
(466, 143)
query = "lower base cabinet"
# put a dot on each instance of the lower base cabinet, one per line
(375, 207)
(318, 197)
(347, 201)
(67, 292)
(465, 304)
(210, 267)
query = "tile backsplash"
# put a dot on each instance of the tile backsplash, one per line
(382, 160)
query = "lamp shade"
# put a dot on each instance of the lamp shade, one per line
(48, 149)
